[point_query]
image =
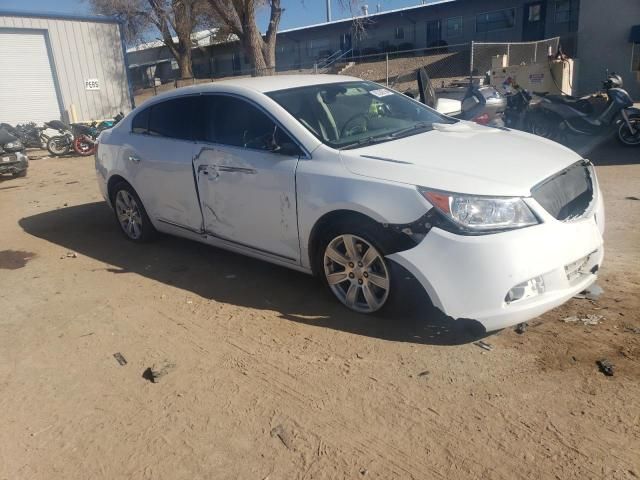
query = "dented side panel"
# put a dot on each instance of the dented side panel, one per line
(248, 197)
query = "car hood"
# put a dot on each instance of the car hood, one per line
(464, 158)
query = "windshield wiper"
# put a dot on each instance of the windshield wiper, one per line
(413, 128)
(368, 141)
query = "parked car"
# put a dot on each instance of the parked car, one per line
(341, 177)
(13, 159)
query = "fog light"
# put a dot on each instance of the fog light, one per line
(525, 290)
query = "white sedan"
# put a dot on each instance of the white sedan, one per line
(340, 177)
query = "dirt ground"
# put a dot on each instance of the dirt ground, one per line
(268, 378)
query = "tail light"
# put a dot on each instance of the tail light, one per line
(482, 119)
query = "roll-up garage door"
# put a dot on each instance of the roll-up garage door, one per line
(27, 89)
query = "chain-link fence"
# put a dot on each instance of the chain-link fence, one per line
(446, 65)
(517, 53)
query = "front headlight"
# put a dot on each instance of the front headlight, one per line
(15, 145)
(477, 214)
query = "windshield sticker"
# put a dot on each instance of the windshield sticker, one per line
(381, 92)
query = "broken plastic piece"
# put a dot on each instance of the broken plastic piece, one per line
(483, 345)
(606, 367)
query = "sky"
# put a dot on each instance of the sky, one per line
(297, 13)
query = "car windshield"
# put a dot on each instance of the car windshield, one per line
(355, 114)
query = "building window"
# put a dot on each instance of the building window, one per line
(454, 27)
(564, 10)
(399, 33)
(497, 20)
(535, 13)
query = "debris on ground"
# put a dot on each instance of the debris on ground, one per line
(521, 328)
(120, 358)
(70, 255)
(483, 345)
(632, 329)
(631, 198)
(282, 434)
(590, 319)
(157, 371)
(591, 293)
(606, 367)
(424, 374)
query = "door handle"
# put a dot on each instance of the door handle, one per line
(134, 159)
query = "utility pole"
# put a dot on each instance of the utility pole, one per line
(328, 10)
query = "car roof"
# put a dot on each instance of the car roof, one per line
(260, 84)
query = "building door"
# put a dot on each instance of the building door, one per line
(533, 27)
(345, 42)
(27, 87)
(434, 33)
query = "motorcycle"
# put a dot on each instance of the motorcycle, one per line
(480, 104)
(60, 144)
(556, 115)
(79, 137)
(29, 134)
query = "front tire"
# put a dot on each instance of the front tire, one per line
(58, 145)
(130, 214)
(625, 137)
(351, 262)
(543, 125)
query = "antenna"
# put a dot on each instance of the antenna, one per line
(328, 10)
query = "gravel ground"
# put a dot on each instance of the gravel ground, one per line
(265, 376)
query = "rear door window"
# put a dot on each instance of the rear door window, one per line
(172, 118)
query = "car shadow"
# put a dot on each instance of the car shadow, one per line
(216, 274)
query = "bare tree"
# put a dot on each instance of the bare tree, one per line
(239, 17)
(173, 19)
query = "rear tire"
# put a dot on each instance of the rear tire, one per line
(21, 174)
(350, 260)
(625, 137)
(131, 215)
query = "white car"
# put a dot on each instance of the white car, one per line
(340, 177)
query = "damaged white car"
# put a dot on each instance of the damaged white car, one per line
(340, 177)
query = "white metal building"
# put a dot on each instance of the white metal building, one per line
(65, 67)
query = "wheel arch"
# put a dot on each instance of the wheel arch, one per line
(113, 181)
(393, 239)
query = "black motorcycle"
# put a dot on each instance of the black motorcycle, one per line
(29, 134)
(556, 115)
(516, 113)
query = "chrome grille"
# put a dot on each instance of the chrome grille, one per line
(567, 194)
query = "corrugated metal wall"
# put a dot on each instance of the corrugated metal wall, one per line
(83, 50)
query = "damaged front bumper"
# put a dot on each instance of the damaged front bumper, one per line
(14, 162)
(511, 277)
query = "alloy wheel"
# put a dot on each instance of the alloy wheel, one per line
(356, 273)
(129, 215)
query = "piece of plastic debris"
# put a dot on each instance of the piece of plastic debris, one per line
(591, 293)
(483, 345)
(424, 374)
(157, 371)
(632, 329)
(72, 255)
(521, 328)
(120, 358)
(606, 367)
(590, 319)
